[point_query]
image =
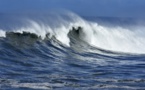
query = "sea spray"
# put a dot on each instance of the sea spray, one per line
(114, 38)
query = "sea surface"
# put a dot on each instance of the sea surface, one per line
(107, 54)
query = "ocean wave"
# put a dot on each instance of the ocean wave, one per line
(117, 39)
(65, 51)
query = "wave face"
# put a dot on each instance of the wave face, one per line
(43, 51)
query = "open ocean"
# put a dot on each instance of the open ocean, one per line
(107, 54)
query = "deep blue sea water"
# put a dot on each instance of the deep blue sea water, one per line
(107, 54)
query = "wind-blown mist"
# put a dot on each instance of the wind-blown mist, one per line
(114, 38)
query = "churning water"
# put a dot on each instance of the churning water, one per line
(108, 53)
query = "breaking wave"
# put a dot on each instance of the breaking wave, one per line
(113, 38)
(61, 50)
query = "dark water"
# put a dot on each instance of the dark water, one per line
(27, 64)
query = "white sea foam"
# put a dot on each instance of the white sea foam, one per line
(2, 33)
(120, 39)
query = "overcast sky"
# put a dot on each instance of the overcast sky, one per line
(113, 8)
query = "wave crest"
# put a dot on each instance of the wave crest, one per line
(120, 39)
